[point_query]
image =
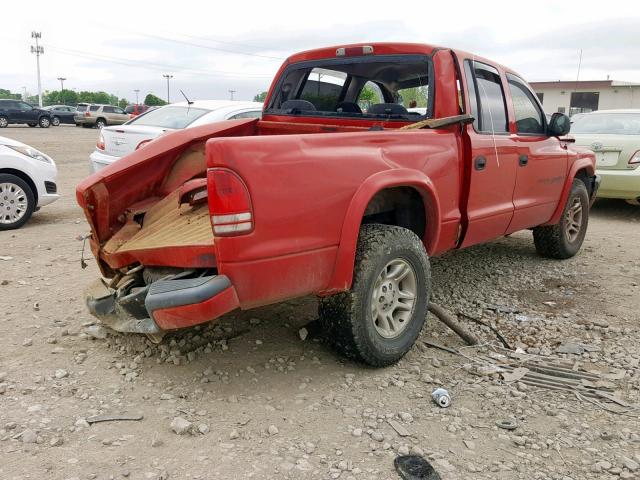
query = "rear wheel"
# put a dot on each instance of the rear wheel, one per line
(564, 239)
(380, 318)
(4, 123)
(55, 121)
(101, 123)
(44, 122)
(17, 202)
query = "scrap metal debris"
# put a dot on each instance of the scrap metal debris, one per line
(115, 417)
(414, 467)
(400, 429)
(441, 397)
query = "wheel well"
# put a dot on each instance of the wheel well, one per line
(400, 206)
(584, 176)
(24, 177)
(101, 118)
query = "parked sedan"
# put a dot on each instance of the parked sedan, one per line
(17, 111)
(27, 182)
(61, 114)
(614, 136)
(116, 142)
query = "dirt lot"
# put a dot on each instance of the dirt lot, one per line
(262, 403)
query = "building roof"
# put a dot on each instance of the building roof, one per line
(573, 84)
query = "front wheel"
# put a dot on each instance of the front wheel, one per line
(55, 121)
(17, 202)
(564, 239)
(44, 122)
(379, 319)
(4, 123)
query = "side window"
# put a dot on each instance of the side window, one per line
(323, 88)
(528, 114)
(25, 107)
(369, 95)
(118, 110)
(491, 112)
(94, 108)
(107, 110)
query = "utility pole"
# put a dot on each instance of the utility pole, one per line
(168, 77)
(137, 90)
(231, 92)
(62, 79)
(38, 50)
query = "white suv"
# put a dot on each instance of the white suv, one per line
(27, 182)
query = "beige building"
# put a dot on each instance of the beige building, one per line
(586, 96)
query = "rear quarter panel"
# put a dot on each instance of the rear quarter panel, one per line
(302, 188)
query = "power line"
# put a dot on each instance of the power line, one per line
(157, 66)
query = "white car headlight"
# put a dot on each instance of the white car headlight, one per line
(31, 152)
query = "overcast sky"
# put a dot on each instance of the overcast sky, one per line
(213, 47)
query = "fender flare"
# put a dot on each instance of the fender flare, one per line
(345, 257)
(579, 164)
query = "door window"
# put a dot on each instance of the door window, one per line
(107, 110)
(250, 114)
(118, 110)
(529, 116)
(485, 91)
(25, 107)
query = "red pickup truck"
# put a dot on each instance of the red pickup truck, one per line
(368, 159)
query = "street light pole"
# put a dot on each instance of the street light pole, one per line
(137, 90)
(62, 79)
(231, 92)
(38, 50)
(168, 77)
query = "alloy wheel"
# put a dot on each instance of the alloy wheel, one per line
(13, 203)
(573, 220)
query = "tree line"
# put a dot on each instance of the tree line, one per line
(71, 97)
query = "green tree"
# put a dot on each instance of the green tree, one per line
(123, 102)
(260, 97)
(153, 101)
(63, 97)
(6, 94)
(417, 94)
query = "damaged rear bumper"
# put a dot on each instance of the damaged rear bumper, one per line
(162, 305)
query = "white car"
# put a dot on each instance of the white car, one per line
(117, 141)
(27, 182)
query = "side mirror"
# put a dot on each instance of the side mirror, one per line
(559, 125)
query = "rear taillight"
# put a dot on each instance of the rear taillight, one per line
(635, 158)
(87, 114)
(230, 203)
(143, 143)
(100, 144)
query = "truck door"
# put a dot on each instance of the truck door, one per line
(542, 160)
(491, 156)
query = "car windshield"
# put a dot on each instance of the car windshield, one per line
(169, 117)
(607, 123)
(379, 87)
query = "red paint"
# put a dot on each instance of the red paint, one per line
(188, 315)
(308, 181)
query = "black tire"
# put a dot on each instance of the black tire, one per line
(4, 121)
(32, 125)
(101, 123)
(44, 122)
(84, 125)
(55, 121)
(554, 241)
(6, 178)
(347, 317)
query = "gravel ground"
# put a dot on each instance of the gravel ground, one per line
(247, 397)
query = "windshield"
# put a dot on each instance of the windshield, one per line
(380, 87)
(169, 117)
(607, 123)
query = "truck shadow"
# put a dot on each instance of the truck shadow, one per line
(613, 209)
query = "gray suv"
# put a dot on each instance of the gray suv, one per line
(94, 115)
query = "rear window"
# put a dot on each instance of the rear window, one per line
(94, 108)
(81, 108)
(386, 87)
(607, 123)
(169, 117)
